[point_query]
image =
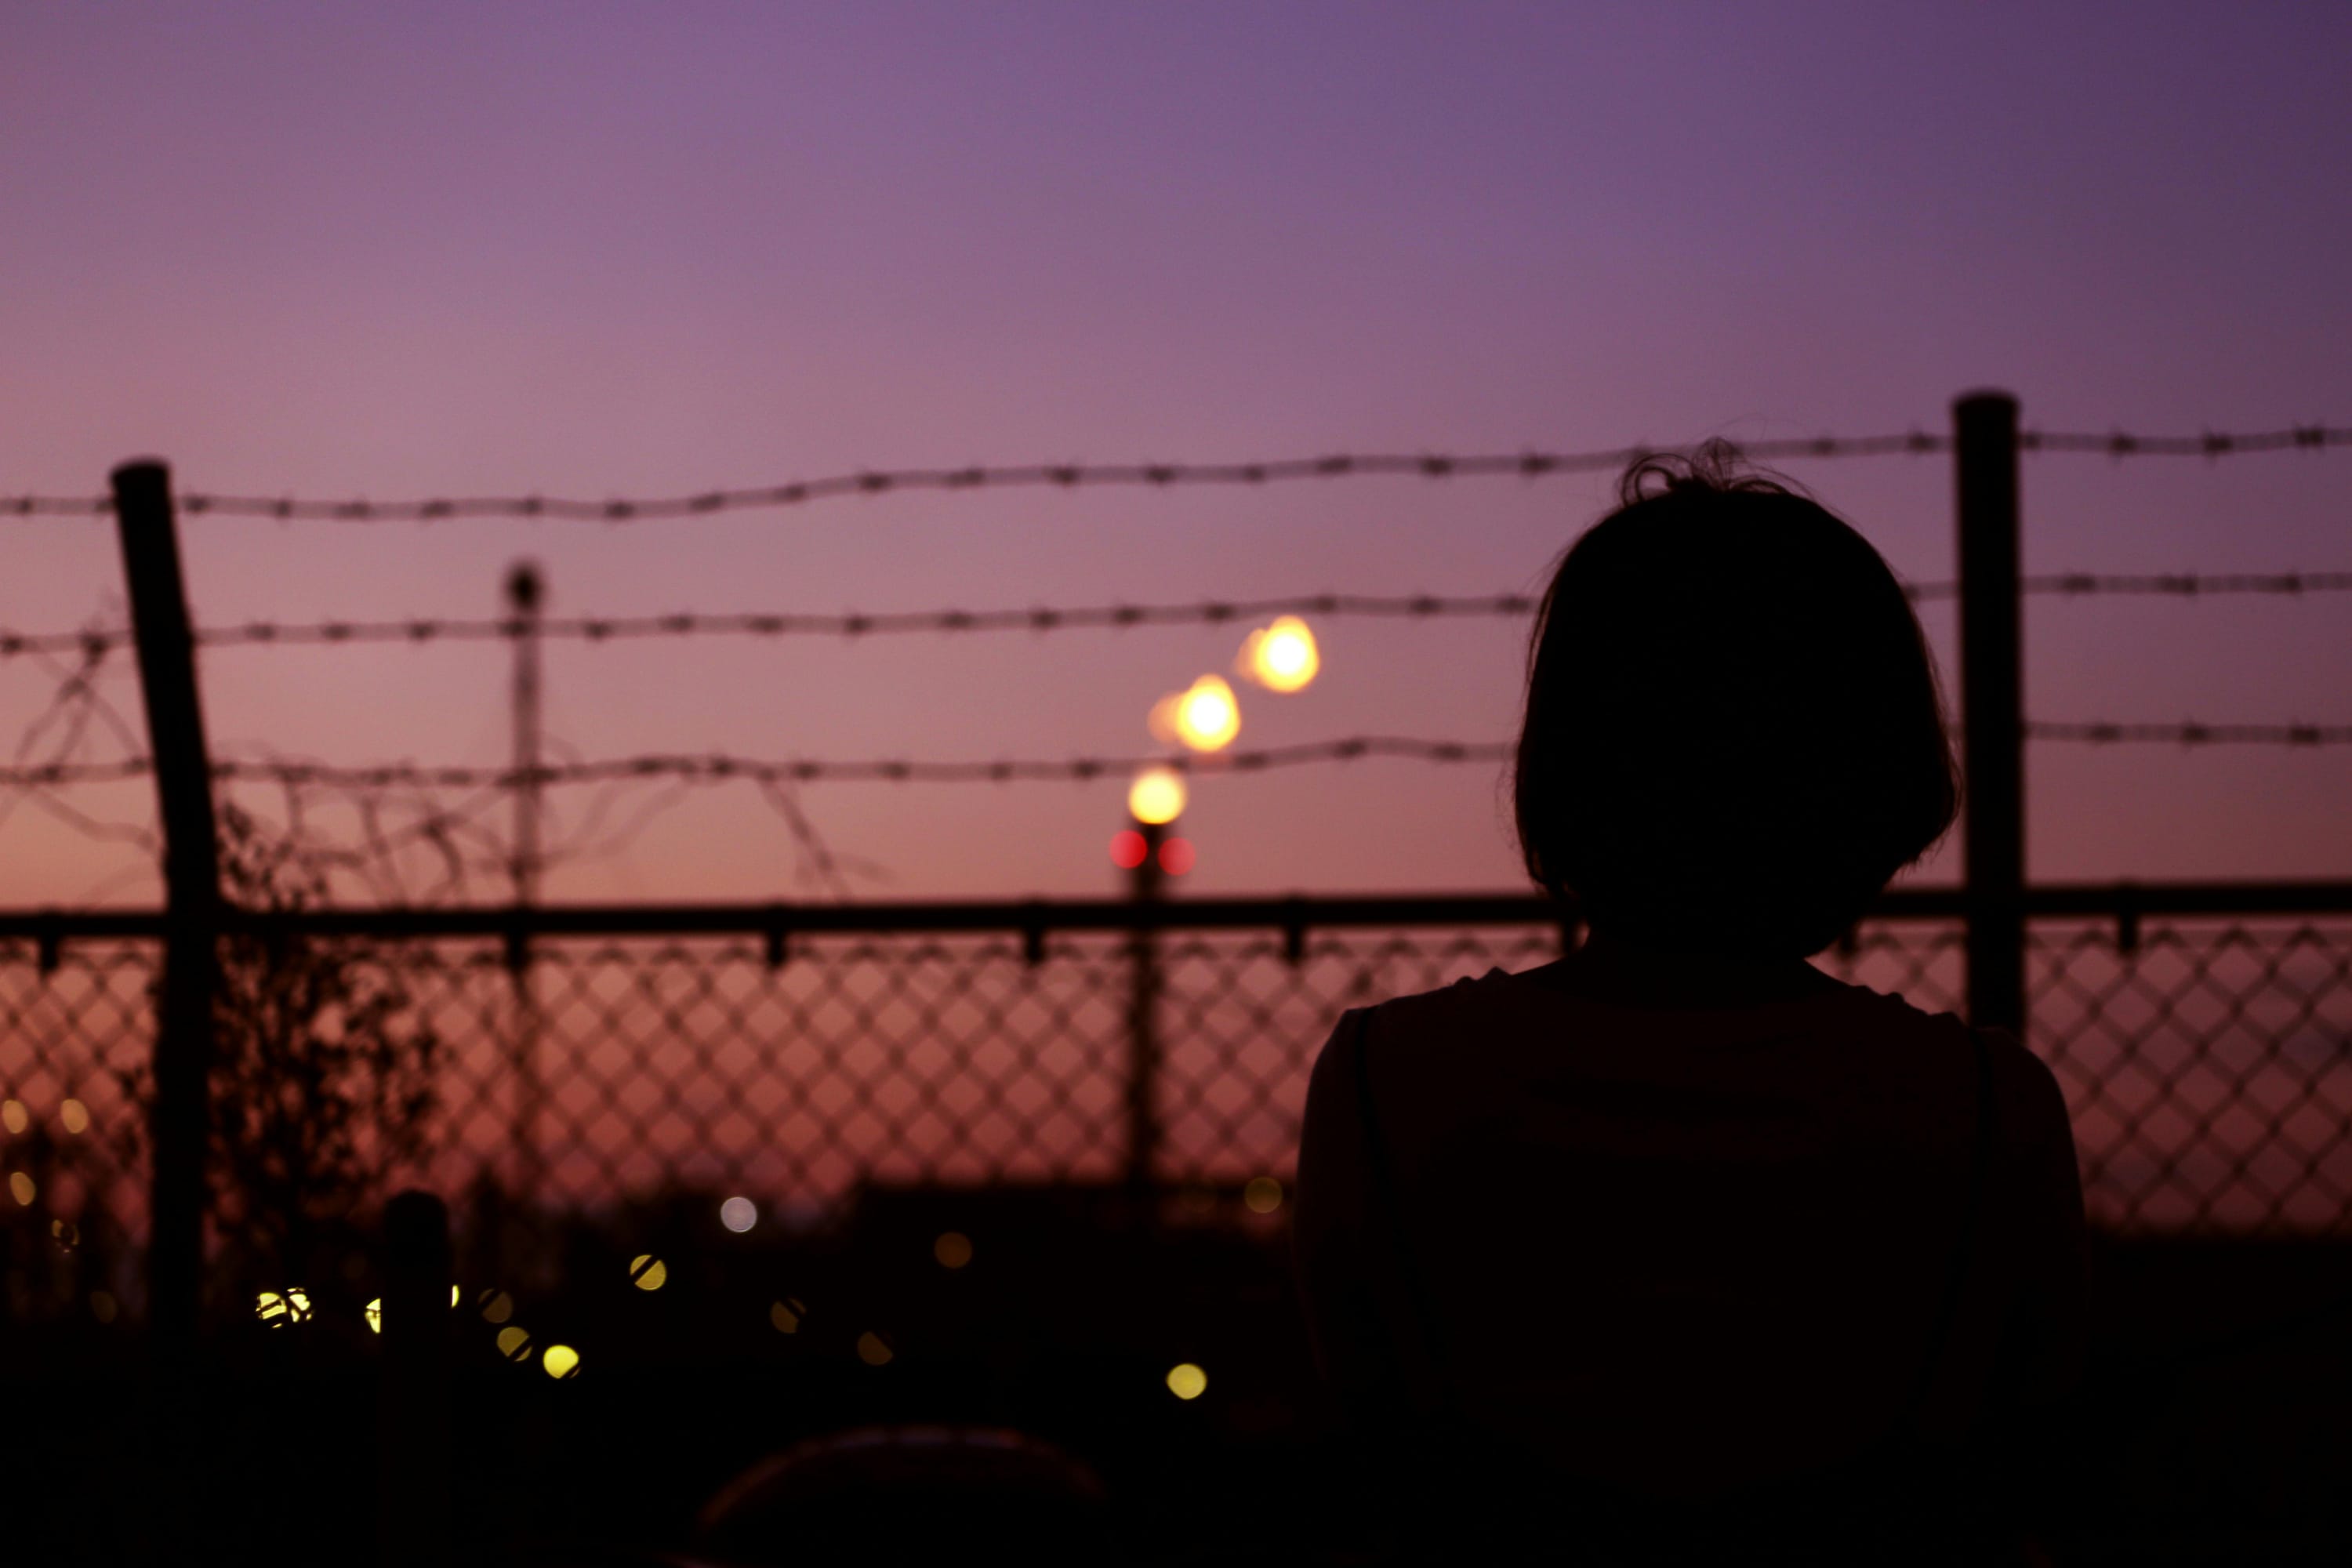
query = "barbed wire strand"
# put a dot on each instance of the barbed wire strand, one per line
(1215, 612)
(719, 767)
(1437, 466)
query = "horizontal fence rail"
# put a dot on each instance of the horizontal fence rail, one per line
(793, 1052)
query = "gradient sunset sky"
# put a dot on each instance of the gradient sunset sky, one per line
(596, 250)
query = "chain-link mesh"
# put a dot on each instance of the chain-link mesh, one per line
(2208, 1069)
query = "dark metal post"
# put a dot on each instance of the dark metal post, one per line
(1143, 1018)
(412, 1514)
(180, 1119)
(1984, 446)
(526, 594)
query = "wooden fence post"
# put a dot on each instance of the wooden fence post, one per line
(180, 1122)
(1984, 460)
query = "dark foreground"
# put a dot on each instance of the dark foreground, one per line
(2220, 1408)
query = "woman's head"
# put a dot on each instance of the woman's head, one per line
(1733, 738)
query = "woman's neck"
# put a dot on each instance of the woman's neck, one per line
(1608, 969)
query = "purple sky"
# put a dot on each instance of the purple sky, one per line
(597, 250)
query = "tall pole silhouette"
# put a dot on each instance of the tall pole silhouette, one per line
(526, 595)
(1992, 726)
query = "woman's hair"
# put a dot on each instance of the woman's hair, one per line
(1734, 736)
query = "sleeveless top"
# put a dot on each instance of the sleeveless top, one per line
(1584, 1341)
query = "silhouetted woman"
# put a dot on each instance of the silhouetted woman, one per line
(1679, 1250)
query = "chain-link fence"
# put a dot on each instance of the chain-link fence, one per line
(2209, 1067)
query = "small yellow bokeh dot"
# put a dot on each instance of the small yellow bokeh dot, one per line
(953, 1249)
(647, 1272)
(1264, 1195)
(373, 1312)
(514, 1344)
(67, 1234)
(871, 1350)
(560, 1361)
(103, 1306)
(1186, 1381)
(21, 1188)
(787, 1314)
(75, 1115)
(455, 1296)
(270, 1308)
(496, 1306)
(13, 1115)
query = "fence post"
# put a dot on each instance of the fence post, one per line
(412, 1509)
(180, 1119)
(1143, 1019)
(526, 595)
(1984, 460)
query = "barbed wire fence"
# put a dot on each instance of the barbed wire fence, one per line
(996, 1070)
(1073, 475)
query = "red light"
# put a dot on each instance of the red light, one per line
(1127, 848)
(1176, 856)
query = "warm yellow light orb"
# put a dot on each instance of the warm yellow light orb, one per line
(647, 1272)
(1263, 1195)
(560, 1361)
(1186, 1381)
(374, 1311)
(1282, 656)
(514, 1344)
(1208, 717)
(953, 1249)
(1156, 795)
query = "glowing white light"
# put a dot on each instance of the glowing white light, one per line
(1282, 656)
(1207, 716)
(1156, 795)
(739, 1215)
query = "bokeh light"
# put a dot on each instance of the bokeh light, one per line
(1282, 656)
(560, 1361)
(739, 1215)
(21, 1188)
(1127, 849)
(373, 1314)
(514, 1344)
(1263, 1195)
(1176, 856)
(103, 1306)
(65, 1233)
(647, 1272)
(872, 1350)
(496, 1306)
(1186, 1381)
(1156, 796)
(953, 1249)
(277, 1310)
(1208, 716)
(13, 1115)
(74, 1116)
(786, 1315)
